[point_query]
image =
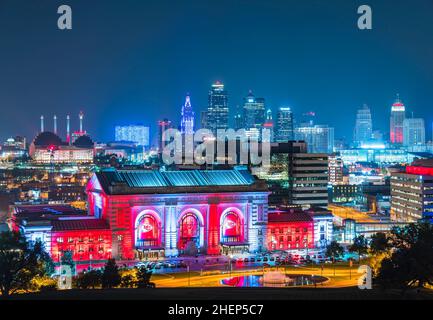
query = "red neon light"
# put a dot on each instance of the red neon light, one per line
(425, 171)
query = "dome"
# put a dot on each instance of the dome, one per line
(84, 142)
(47, 138)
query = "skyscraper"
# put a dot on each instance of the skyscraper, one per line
(319, 138)
(284, 128)
(135, 133)
(187, 120)
(253, 112)
(398, 114)
(413, 132)
(217, 114)
(163, 125)
(269, 124)
(363, 126)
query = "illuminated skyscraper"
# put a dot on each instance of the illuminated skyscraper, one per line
(363, 126)
(269, 124)
(187, 120)
(284, 129)
(398, 114)
(413, 132)
(253, 112)
(319, 138)
(135, 133)
(217, 114)
(163, 125)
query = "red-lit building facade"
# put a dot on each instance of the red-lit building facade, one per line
(412, 192)
(136, 215)
(64, 228)
(290, 229)
(153, 214)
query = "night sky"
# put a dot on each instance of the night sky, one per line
(132, 61)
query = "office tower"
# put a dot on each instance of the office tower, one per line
(296, 177)
(319, 138)
(335, 170)
(203, 120)
(253, 112)
(163, 125)
(398, 114)
(413, 132)
(412, 192)
(284, 129)
(238, 119)
(363, 126)
(269, 124)
(217, 114)
(187, 120)
(308, 119)
(135, 133)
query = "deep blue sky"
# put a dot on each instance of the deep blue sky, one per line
(129, 61)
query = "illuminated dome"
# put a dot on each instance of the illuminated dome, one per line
(84, 142)
(47, 139)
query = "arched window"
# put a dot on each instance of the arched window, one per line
(148, 232)
(189, 230)
(231, 228)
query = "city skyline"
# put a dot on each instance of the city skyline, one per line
(128, 75)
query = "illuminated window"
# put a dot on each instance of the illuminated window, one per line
(60, 240)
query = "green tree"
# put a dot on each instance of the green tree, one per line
(411, 261)
(111, 275)
(67, 259)
(89, 279)
(127, 281)
(20, 262)
(360, 246)
(334, 250)
(143, 277)
(379, 243)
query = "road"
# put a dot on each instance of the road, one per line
(344, 276)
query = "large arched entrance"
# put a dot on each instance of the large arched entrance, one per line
(232, 232)
(190, 232)
(148, 236)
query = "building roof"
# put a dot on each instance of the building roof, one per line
(289, 215)
(154, 181)
(46, 211)
(84, 141)
(79, 224)
(46, 138)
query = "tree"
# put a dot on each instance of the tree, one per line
(89, 279)
(143, 278)
(111, 275)
(360, 246)
(127, 281)
(334, 250)
(411, 261)
(20, 262)
(67, 259)
(379, 243)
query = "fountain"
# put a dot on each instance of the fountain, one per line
(274, 277)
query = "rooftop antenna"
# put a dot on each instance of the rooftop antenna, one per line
(42, 123)
(68, 129)
(81, 116)
(55, 124)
